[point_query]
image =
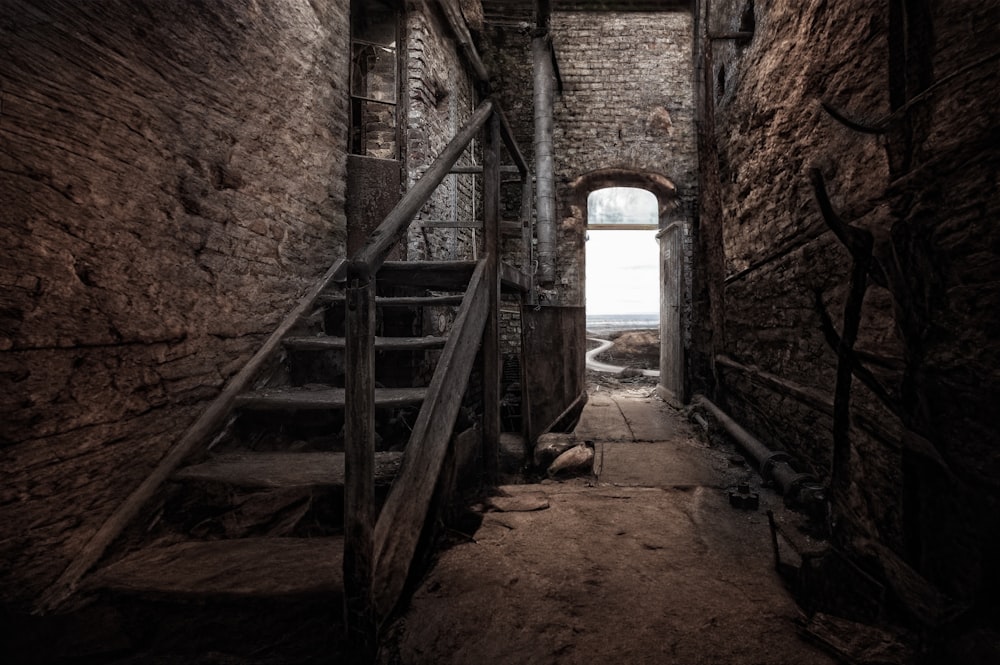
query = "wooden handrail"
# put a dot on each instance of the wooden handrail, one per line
(507, 134)
(370, 257)
(208, 422)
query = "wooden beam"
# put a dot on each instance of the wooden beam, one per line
(359, 467)
(513, 279)
(402, 518)
(513, 149)
(322, 399)
(235, 569)
(206, 424)
(322, 469)
(439, 275)
(491, 336)
(457, 22)
(383, 238)
(381, 343)
(477, 169)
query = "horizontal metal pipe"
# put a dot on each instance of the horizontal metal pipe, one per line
(772, 465)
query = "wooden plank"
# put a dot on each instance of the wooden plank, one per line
(244, 568)
(310, 399)
(400, 301)
(491, 335)
(443, 275)
(457, 22)
(508, 227)
(206, 424)
(512, 279)
(477, 169)
(513, 149)
(359, 463)
(381, 343)
(402, 518)
(284, 469)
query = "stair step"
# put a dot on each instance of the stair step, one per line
(246, 568)
(285, 469)
(381, 343)
(444, 275)
(399, 301)
(287, 399)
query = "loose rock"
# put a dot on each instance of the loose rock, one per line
(550, 446)
(578, 459)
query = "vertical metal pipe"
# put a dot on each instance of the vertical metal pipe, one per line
(541, 53)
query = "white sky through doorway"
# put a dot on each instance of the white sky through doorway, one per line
(622, 266)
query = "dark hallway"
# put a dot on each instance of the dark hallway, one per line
(288, 287)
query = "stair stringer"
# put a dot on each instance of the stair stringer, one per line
(405, 511)
(213, 417)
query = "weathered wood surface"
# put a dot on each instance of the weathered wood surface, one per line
(512, 279)
(395, 224)
(444, 275)
(285, 469)
(381, 343)
(209, 421)
(287, 399)
(491, 334)
(456, 20)
(510, 142)
(359, 461)
(400, 301)
(243, 568)
(402, 519)
(554, 344)
(508, 227)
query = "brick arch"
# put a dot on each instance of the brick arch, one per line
(659, 185)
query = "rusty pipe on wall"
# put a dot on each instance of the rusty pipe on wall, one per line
(773, 465)
(541, 54)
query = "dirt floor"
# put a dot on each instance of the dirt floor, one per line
(644, 561)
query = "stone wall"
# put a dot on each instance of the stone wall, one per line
(627, 103)
(172, 180)
(922, 487)
(440, 97)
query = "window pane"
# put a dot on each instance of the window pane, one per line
(373, 72)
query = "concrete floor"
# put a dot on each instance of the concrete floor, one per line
(643, 562)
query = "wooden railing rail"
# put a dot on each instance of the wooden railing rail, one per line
(371, 256)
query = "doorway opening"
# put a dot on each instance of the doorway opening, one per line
(622, 280)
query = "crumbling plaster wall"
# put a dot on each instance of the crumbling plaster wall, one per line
(171, 179)
(927, 192)
(627, 102)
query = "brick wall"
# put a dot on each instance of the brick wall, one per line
(924, 190)
(627, 102)
(171, 181)
(439, 97)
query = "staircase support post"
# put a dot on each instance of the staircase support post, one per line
(491, 336)
(359, 465)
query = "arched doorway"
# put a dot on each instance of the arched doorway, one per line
(671, 233)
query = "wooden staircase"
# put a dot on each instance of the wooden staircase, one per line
(309, 432)
(280, 439)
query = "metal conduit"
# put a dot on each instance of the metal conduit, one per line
(544, 185)
(773, 465)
